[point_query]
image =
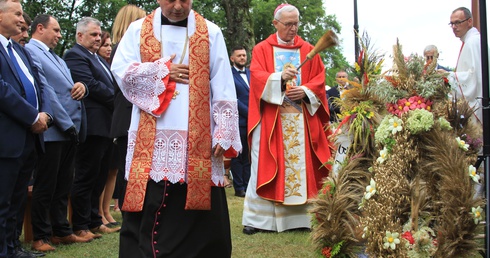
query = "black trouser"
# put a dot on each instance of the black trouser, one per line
(240, 166)
(52, 185)
(91, 169)
(14, 179)
(120, 189)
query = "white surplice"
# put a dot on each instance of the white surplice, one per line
(466, 81)
(171, 141)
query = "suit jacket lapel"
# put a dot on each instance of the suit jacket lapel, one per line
(56, 60)
(248, 74)
(11, 65)
(35, 77)
(239, 77)
(95, 60)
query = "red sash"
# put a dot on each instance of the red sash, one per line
(199, 163)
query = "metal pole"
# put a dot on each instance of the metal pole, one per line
(356, 31)
(486, 115)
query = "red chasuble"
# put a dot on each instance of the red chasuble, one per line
(271, 163)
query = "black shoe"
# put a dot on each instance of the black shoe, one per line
(250, 230)
(23, 253)
(240, 193)
(112, 224)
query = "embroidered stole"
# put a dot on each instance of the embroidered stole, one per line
(199, 138)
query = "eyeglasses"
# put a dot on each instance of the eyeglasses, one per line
(429, 57)
(289, 24)
(457, 23)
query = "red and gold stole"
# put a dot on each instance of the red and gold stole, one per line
(199, 139)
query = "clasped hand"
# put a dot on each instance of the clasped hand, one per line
(179, 72)
(41, 125)
(78, 91)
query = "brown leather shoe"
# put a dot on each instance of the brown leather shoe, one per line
(105, 230)
(70, 239)
(86, 234)
(42, 246)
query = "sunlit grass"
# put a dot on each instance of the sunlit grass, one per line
(261, 245)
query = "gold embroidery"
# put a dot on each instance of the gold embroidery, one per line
(292, 152)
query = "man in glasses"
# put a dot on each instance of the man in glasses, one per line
(466, 80)
(286, 118)
(431, 52)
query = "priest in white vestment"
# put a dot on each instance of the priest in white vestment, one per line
(466, 80)
(185, 52)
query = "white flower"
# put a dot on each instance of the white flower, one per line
(391, 240)
(365, 230)
(383, 155)
(473, 174)
(370, 190)
(395, 125)
(462, 144)
(476, 214)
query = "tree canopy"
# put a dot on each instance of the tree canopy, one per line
(244, 22)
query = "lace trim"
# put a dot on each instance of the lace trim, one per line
(170, 157)
(226, 133)
(143, 83)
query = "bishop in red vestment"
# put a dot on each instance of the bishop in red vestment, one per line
(288, 114)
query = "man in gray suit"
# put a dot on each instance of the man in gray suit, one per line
(54, 172)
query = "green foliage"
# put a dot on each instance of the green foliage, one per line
(336, 248)
(244, 22)
(314, 23)
(69, 12)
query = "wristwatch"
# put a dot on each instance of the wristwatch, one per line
(50, 120)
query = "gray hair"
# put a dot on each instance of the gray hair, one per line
(431, 48)
(84, 22)
(287, 8)
(3, 4)
(466, 11)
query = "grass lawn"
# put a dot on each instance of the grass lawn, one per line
(261, 245)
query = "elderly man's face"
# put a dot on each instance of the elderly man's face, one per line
(22, 37)
(11, 19)
(287, 25)
(429, 56)
(175, 10)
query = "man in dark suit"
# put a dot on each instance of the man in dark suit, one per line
(240, 166)
(333, 93)
(24, 115)
(19, 249)
(92, 158)
(54, 171)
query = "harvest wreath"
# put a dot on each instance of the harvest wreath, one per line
(406, 185)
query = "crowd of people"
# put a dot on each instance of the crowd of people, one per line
(158, 104)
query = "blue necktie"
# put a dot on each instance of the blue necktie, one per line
(28, 87)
